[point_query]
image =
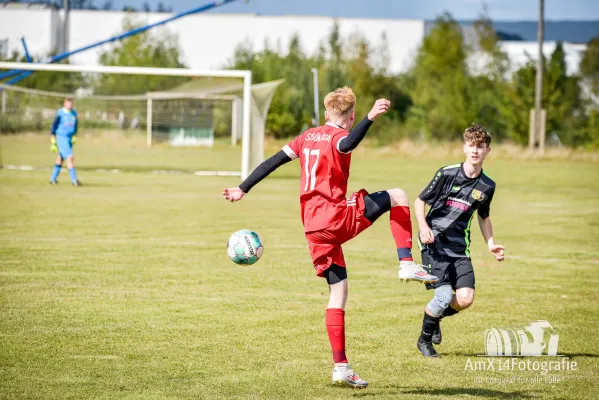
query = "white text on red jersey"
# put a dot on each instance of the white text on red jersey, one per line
(317, 137)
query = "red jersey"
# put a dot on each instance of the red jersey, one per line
(324, 175)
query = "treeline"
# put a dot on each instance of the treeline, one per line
(151, 48)
(441, 94)
(435, 99)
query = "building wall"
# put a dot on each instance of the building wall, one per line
(520, 53)
(36, 25)
(207, 41)
(56, 27)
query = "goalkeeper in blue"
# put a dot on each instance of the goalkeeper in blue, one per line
(64, 131)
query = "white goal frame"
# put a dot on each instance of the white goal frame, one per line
(246, 75)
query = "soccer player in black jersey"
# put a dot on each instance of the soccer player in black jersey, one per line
(453, 195)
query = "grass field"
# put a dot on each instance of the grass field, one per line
(122, 288)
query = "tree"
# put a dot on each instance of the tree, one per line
(441, 93)
(519, 100)
(489, 87)
(561, 94)
(54, 81)
(335, 76)
(589, 74)
(290, 107)
(591, 129)
(144, 49)
(561, 98)
(589, 65)
(353, 63)
(368, 76)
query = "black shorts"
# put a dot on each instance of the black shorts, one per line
(376, 204)
(457, 272)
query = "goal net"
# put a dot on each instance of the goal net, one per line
(194, 123)
(192, 119)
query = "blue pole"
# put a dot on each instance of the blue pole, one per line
(27, 56)
(24, 74)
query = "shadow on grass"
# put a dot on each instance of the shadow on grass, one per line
(460, 354)
(136, 169)
(444, 393)
(83, 185)
(572, 355)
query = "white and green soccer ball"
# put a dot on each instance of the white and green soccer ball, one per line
(245, 247)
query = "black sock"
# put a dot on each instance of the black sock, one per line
(429, 325)
(448, 312)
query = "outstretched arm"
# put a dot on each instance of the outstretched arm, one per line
(262, 171)
(487, 230)
(356, 135)
(354, 138)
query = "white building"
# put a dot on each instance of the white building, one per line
(521, 53)
(208, 41)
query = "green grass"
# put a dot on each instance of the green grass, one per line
(122, 288)
(113, 150)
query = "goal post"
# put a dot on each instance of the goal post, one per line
(247, 160)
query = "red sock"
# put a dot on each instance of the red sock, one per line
(335, 321)
(401, 228)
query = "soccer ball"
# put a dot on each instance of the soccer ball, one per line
(245, 247)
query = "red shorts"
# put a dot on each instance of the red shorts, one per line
(325, 244)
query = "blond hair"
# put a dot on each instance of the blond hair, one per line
(340, 102)
(477, 135)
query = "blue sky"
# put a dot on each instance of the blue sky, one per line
(507, 10)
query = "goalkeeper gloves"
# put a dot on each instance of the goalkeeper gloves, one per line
(73, 140)
(53, 146)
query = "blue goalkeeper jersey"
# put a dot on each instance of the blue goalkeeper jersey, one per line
(65, 123)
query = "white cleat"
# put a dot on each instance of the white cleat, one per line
(344, 375)
(410, 271)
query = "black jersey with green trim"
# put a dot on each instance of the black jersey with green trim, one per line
(453, 197)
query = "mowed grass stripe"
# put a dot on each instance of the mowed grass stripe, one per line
(122, 288)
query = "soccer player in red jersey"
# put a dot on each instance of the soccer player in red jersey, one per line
(329, 218)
